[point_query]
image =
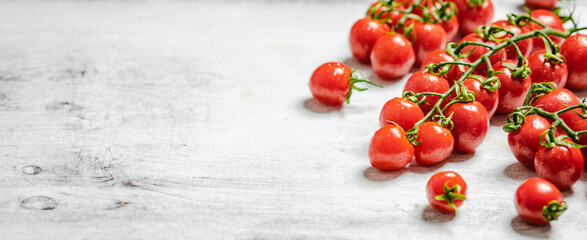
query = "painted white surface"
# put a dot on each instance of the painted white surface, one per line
(193, 120)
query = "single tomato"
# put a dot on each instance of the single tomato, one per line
(559, 99)
(544, 70)
(513, 90)
(575, 51)
(390, 149)
(538, 202)
(550, 20)
(488, 99)
(524, 142)
(470, 125)
(440, 56)
(426, 37)
(329, 83)
(473, 13)
(446, 191)
(392, 56)
(436, 144)
(421, 82)
(401, 112)
(560, 165)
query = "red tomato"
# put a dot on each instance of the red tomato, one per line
(581, 125)
(470, 125)
(545, 71)
(436, 144)
(545, 4)
(524, 142)
(499, 56)
(390, 149)
(560, 165)
(575, 51)
(421, 82)
(426, 38)
(392, 56)
(451, 27)
(513, 90)
(330, 83)
(364, 34)
(390, 17)
(560, 99)
(533, 196)
(472, 17)
(488, 99)
(438, 196)
(525, 46)
(550, 20)
(440, 56)
(401, 112)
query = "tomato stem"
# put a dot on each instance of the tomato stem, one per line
(354, 79)
(451, 194)
(553, 210)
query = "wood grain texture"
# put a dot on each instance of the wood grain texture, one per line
(193, 120)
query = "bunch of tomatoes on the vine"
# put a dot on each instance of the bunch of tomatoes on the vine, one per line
(519, 66)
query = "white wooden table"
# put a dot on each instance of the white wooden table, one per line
(193, 120)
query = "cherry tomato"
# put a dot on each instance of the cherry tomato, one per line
(550, 20)
(470, 125)
(440, 56)
(389, 17)
(559, 99)
(478, 51)
(524, 142)
(525, 46)
(421, 82)
(546, 71)
(471, 17)
(560, 165)
(392, 56)
(401, 112)
(513, 90)
(544, 4)
(426, 38)
(533, 196)
(446, 191)
(390, 149)
(451, 26)
(364, 34)
(581, 125)
(488, 99)
(330, 83)
(575, 51)
(436, 144)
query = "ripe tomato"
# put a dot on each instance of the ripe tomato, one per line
(488, 99)
(426, 38)
(524, 142)
(559, 99)
(329, 83)
(364, 34)
(513, 90)
(525, 46)
(545, 4)
(549, 19)
(581, 125)
(546, 71)
(392, 56)
(575, 51)
(401, 112)
(446, 191)
(560, 165)
(382, 13)
(538, 201)
(436, 144)
(478, 51)
(440, 56)
(470, 125)
(472, 17)
(451, 27)
(421, 82)
(390, 149)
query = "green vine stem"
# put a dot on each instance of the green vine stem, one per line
(354, 79)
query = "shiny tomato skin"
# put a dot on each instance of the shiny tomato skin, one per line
(390, 149)
(426, 38)
(549, 19)
(391, 17)
(525, 46)
(329, 83)
(543, 4)
(559, 99)
(472, 17)
(581, 125)
(524, 142)
(392, 56)
(421, 82)
(364, 34)
(560, 165)
(575, 51)
(479, 51)
(435, 187)
(513, 90)
(532, 196)
(451, 27)
(440, 56)
(488, 99)
(436, 144)
(546, 71)
(400, 111)
(470, 125)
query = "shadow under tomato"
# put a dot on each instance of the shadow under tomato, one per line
(318, 107)
(525, 229)
(567, 193)
(456, 157)
(581, 93)
(356, 65)
(498, 120)
(519, 172)
(431, 215)
(377, 175)
(384, 82)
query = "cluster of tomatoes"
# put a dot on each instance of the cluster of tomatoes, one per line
(518, 67)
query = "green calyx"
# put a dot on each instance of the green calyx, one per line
(451, 194)
(553, 210)
(354, 79)
(476, 3)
